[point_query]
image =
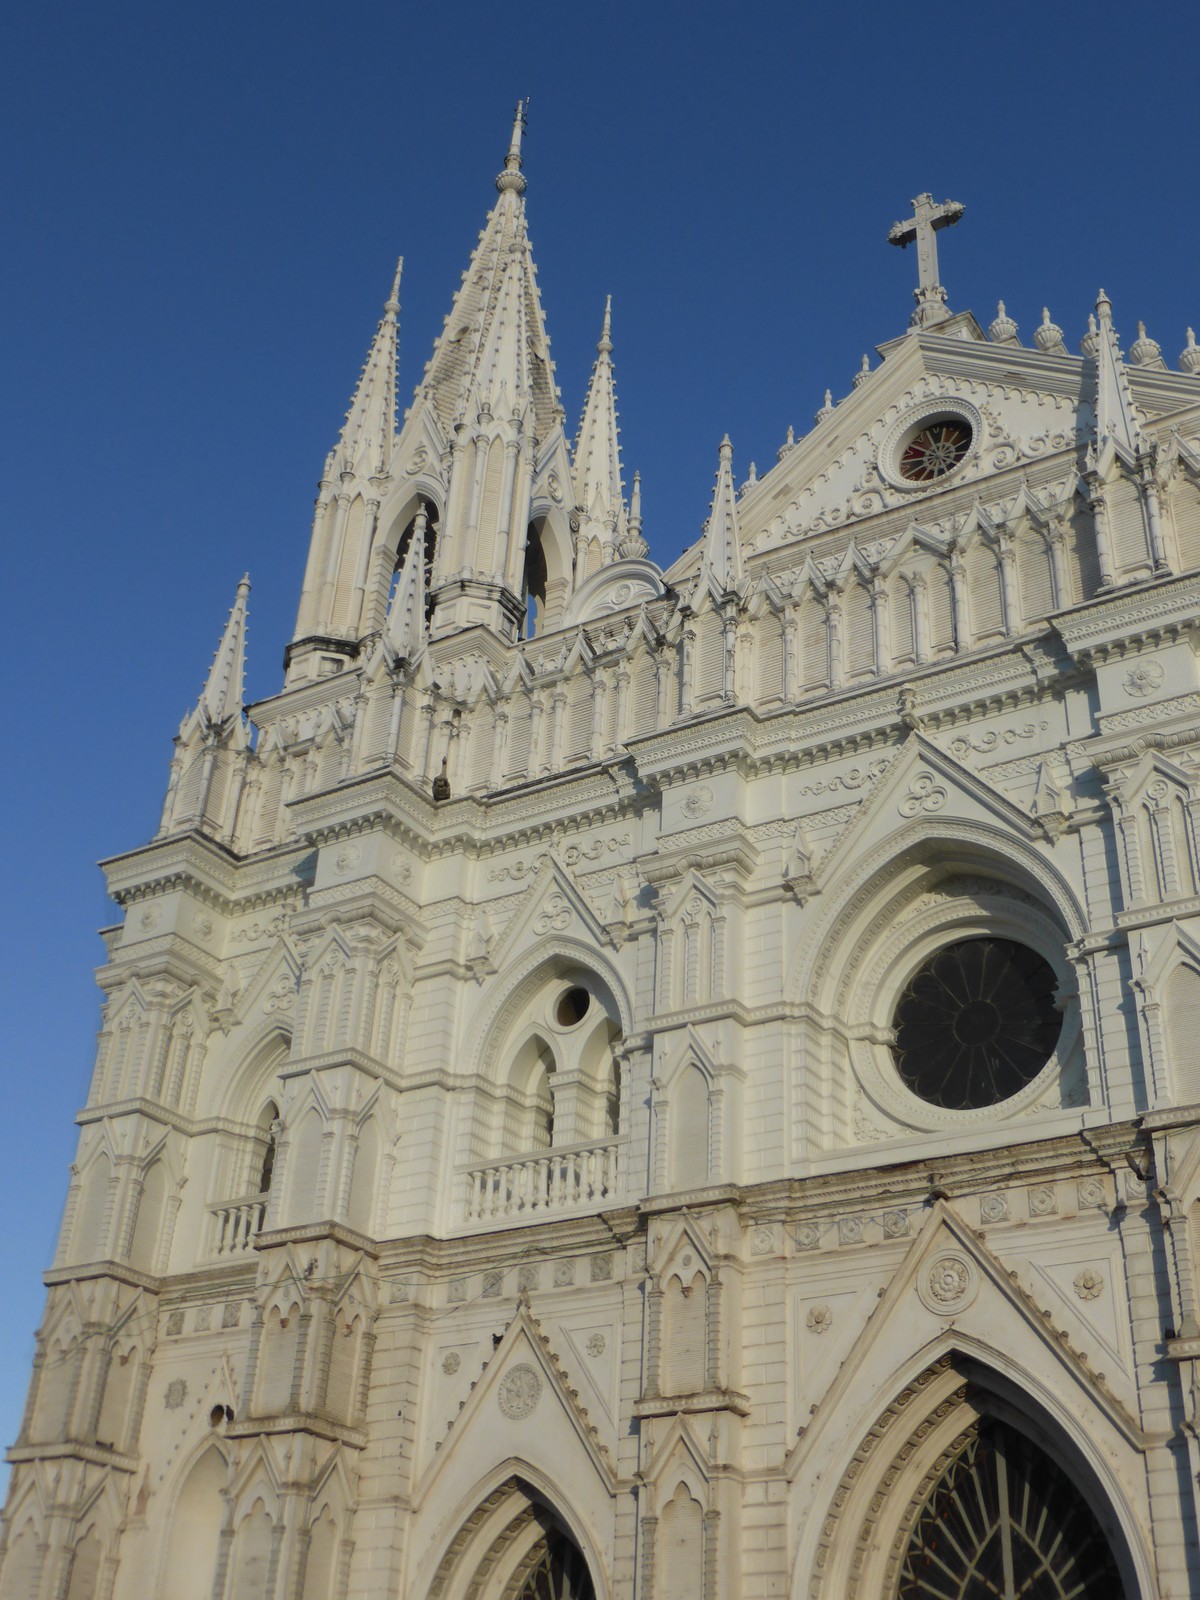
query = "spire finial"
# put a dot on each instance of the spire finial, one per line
(1003, 329)
(1048, 336)
(392, 303)
(1189, 357)
(605, 345)
(512, 178)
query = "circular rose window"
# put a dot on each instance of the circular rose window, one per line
(975, 1023)
(935, 450)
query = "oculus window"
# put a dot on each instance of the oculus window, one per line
(935, 450)
(975, 1023)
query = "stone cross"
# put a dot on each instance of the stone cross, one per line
(926, 219)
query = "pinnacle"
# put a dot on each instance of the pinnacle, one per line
(221, 697)
(597, 457)
(369, 430)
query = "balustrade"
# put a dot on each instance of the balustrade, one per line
(236, 1224)
(552, 1180)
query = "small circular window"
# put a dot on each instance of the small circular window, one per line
(935, 449)
(976, 1023)
(572, 1007)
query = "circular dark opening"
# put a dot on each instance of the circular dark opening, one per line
(935, 449)
(976, 1022)
(573, 1006)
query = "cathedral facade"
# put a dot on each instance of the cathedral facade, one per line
(666, 1084)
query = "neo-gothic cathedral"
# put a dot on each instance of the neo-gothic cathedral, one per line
(623, 1084)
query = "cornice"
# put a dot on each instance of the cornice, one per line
(1114, 621)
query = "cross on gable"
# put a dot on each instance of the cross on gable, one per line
(922, 226)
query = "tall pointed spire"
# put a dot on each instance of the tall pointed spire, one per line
(1116, 417)
(598, 486)
(369, 432)
(494, 342)
(722, 556)
(221, 698)
(488, 406)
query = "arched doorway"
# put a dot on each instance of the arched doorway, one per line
(1005, 1522)
(514, 1546)
(551, 1569)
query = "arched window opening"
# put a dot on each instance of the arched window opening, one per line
(543, 1102)
(406, 538)
(533, 584)
(552, 1566)
(268, 1141)
(1005, 1521)
(612, 1101)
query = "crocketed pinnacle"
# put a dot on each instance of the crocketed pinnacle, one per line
(1116, 416)
(221, 698)
(493, 355)
(722, 555)
(369, 432)
(405, 628)
(597, 465)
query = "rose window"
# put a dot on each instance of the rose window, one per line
(975, 1023)
(935, 450)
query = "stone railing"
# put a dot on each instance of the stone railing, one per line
(236, 1224)
(536, 1185)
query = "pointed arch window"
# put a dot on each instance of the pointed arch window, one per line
(1004, 1522)
(552, 1570)
(268, 1138)
(533, 587)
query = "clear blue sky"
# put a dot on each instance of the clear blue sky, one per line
(203, 205)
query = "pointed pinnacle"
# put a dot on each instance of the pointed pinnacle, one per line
(512, 178)
(605, 345)
(221, 696)
(392, 304)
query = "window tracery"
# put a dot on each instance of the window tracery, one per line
(1004, 1521)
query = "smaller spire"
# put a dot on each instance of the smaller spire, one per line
(597, 460)
(1116, 418)
(369, 430)
(722, 557)
(1189, 356)
(221, 698)
(512, 179)
(863, 373)
(1090, 342)
(632, 547)
(405, 627)
(827, 409)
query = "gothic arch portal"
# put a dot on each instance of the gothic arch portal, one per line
(518, 1544)
(868, 1538)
